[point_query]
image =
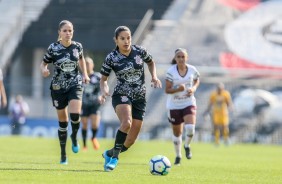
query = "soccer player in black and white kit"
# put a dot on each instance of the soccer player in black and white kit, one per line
(91, 102)
(66, 86)
(128, 98)
(182, 80)
(3, 97)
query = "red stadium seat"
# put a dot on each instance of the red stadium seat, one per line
(240, 4)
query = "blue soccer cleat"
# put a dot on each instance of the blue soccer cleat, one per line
(107, 160)
(112, 164)
(75, 145)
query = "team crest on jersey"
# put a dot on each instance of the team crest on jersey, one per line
(124, 99)
(138, 60)
(75, 53)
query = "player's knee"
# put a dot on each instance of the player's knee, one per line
(126, 124)
(190, 129)
(75, 117)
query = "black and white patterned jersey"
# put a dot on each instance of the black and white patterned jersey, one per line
(129, 71)
(65, 61)
(91, 90)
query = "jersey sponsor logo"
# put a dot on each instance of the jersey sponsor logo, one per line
(178, 98)
(68, 66)
(129, 73)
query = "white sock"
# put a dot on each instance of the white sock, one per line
(189, 133)
(177, 142)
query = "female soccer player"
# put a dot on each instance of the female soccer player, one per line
(3, 97)
(128, 99)
(91, 102)
(66, 86)
(182, 80)
(220, 103)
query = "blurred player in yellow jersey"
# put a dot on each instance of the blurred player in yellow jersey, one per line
(219, 104)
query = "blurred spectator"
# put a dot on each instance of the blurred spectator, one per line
(3, 97)
(18, 111)
(220, 101)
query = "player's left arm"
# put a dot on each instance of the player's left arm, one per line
(192, 90)
(82, 65)
(152, 69)
(3, 94)
(229, 101)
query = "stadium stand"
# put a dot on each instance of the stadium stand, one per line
(94, 20)
(19, 14)
(250, 27)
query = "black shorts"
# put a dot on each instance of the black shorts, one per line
(175, 116)
(61, 100)
(88, 110)
(138, 106)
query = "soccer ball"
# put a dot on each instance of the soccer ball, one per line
(159, 165)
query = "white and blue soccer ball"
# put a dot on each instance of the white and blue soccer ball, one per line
(159, 165)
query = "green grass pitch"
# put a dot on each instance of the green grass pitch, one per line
(36, 160)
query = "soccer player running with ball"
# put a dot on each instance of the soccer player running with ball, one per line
(182, 80)
(128, 99)
(66, 86)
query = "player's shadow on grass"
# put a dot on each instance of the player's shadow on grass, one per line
(122, 163)
(34, 169)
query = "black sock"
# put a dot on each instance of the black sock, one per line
(84, 135)
(94, 132)
(63, 134)
(120, 139)
(111, 151)
(123, 149)
(75, 128)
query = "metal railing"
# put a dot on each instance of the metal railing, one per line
(143, 27)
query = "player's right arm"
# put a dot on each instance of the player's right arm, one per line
(3, 94)
(169, 89)
(44, 69)
(104, 88)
